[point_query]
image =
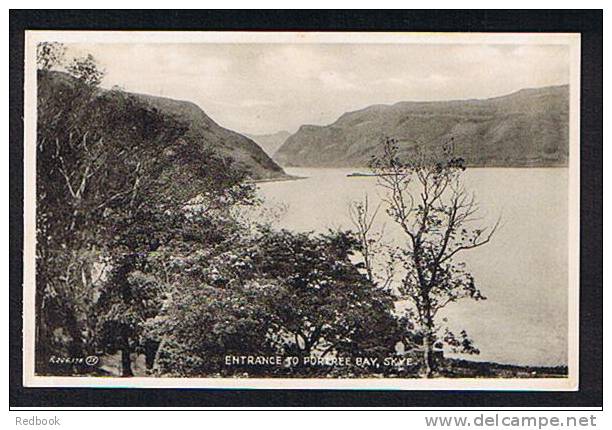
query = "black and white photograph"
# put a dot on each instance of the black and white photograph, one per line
(301, 210)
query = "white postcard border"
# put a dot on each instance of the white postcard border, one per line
(33, 37)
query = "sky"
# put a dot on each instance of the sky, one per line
(265, 88)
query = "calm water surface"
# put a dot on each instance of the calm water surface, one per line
(522, 272)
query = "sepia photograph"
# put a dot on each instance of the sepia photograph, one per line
(301, 210)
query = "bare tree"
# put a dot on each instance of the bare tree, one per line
(426, 198)
(359, 212)
(378, 256)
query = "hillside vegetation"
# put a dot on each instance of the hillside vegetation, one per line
(526, 128)
(201, 130)
(244, 151)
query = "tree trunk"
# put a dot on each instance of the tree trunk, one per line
(158, 354)
(150, 347)
(428, 356)
(126, 363)
(428, 340)
(40, 337)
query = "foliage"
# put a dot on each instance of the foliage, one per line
(86, 69)
(130, 299)
(292, 294)
(201, 324)
(320, 299)
(114, 177)
(49, 55)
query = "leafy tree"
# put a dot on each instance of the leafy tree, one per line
(86, 69)
(97, 151)
(49, 55)
(185, 211)
(201, 324)
(130, 299)
(281, 292)
(426, 198)
(319, 302)
(66, 163)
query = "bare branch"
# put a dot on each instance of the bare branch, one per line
(476, 241)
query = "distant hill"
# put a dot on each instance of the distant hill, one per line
(269, 142)
(202, 130)
(526, 128)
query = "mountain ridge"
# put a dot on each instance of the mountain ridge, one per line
(526, 128)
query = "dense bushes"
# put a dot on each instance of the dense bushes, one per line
(277, 293)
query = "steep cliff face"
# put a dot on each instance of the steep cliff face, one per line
(526, 128)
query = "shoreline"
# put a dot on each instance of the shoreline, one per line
(535, 166)
(357, 174)
(284, 178)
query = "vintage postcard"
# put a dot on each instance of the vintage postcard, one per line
(301, 210)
